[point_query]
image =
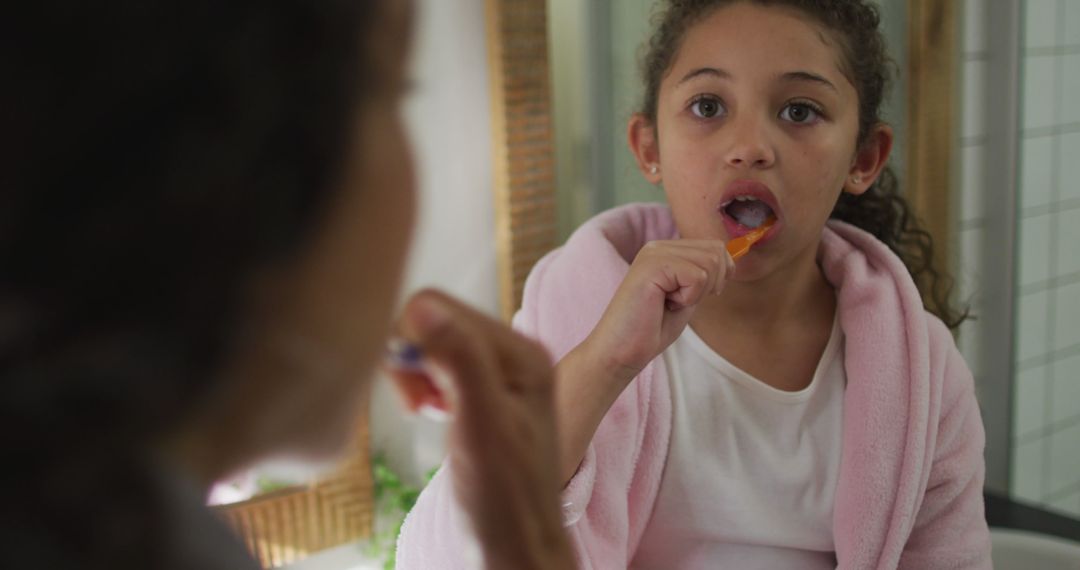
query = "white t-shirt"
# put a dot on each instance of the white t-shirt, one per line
(751, 470)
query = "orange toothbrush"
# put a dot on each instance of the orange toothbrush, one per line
(740, 246)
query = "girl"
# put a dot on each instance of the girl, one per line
(798, 408)
(206, 211)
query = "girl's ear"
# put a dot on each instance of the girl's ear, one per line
(870, 160)
(641, 136)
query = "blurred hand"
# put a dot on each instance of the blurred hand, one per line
(502, 446)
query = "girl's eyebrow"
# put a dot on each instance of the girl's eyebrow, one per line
(789, 76)
(808, 76)
(705, 71)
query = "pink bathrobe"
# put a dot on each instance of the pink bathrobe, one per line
(909, 493)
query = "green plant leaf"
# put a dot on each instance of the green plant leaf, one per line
(393, 499)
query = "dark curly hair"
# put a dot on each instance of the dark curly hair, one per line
(881, 210)
(154, 155)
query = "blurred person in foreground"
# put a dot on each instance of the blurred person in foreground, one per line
(206, 210)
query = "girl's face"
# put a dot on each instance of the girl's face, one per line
(755, 118)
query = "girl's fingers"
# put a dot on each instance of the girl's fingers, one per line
(710, 255)
(684, 282)
(685, 272)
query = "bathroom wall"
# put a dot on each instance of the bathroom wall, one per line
(1046, 461)
(1045, 465)
(569, 24)
(594, 51)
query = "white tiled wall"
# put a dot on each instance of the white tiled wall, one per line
(1066, 379)
(1039, 23)
(1046, 419)
(1027, 470)
(1070, 86)
(1030, 411)
(1066, 331)
(1072, 23)
(1069, 183)
(1046, 458)
(1068, 239)
(1036, 170)
(1034, 244)
(1032, 338)
(1064, 462)
(1036, 99)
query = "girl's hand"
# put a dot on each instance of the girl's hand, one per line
(649, 311)
(502, 446)
(655, 301)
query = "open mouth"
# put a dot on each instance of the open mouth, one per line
(748, 211)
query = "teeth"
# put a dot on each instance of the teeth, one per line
(742, 198)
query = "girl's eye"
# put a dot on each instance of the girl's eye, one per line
(801, 113)
(706, 107)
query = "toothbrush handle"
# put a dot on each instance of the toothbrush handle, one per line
(740, 246)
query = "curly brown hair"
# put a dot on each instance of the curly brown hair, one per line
(881, 210)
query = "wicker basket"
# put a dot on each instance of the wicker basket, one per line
(288, 525)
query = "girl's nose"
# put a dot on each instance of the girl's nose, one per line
(750, 147)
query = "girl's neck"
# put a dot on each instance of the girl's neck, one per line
(793, 294)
